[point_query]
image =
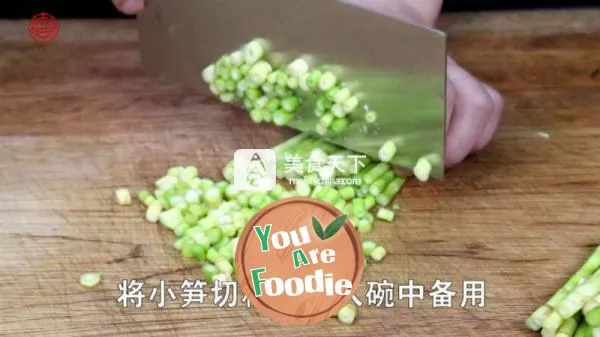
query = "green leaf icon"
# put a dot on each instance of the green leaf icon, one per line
(334, 226)
(318, 229)
(331, 229)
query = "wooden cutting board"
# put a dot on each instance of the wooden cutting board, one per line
(79, 118)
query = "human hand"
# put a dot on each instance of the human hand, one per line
(473, 108)
(130, 7)
(473, 111)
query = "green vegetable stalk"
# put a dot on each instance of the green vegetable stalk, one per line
(537, 320)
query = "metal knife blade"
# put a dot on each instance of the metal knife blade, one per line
(400, 68)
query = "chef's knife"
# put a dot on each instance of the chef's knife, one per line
(399, 68)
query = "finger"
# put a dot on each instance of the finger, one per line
(450, 101)
(497, 108)
(470, 116)
(451, 89)
(129, 6)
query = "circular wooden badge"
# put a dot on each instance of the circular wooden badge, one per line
(299, 260)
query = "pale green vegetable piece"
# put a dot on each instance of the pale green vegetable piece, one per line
(351, 104)
(237, 58)
(375, 173)
(339, 125)
(314, 78)
(213, 195)
(227, 97)
(256, 115)
(321, 129)
(370, 116)
(235, 74)
(327, 172)
(544, 135)
(342, 95)
(358, 207)
(317, 155)
(369, 202)
(254, 51)
(153, 211)
(90, 280)
(422, 169)
(390, 192)
(292, 82)
(298, 67)
(379, 185)
(261, 102)
(224, 266)
(368, 247)
(228, 171)
(123, 196)
(347, 314)
(303, 82)
(171, 218)
(364, 226)
(282, 79)
(143, 195)
(347, 193)
(327, 81)
(282, 117)
(214, 90)
(387, 151)
(385, 214)
(338, 110)
(259, 72)
(222, 277)
(273, 76)
(208, 74)
(232, 192)
(326, 120)
(290, 104)
(302, 188)
(378, 253)
(193, 196)
(188, 174)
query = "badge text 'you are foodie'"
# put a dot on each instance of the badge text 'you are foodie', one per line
(295, 240)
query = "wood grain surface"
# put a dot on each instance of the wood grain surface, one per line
(79, 118)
